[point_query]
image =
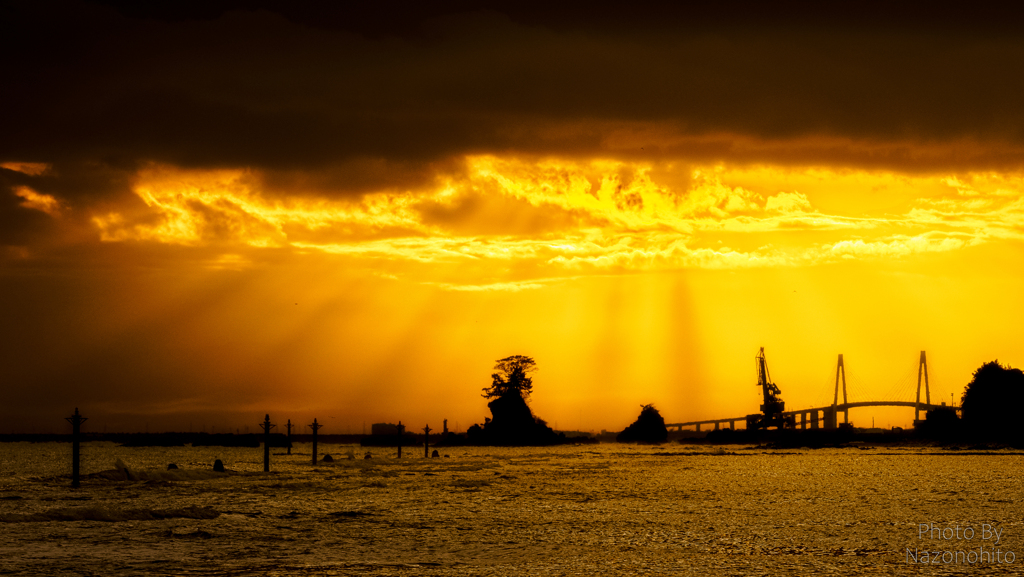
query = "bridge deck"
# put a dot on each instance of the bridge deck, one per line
(839, 408)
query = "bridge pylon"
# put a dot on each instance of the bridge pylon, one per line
(840, 370)
(922, 369)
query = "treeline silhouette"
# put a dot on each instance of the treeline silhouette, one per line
(990, 406)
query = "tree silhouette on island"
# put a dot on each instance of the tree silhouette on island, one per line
(991, 403)
(512, 422)
(511, 377)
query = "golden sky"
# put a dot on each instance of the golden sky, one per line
(211, 215)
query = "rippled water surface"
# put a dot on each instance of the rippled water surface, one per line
(586, 510)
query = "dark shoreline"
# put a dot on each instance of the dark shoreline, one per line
(786, 439)
(180, 439)
(849, 437)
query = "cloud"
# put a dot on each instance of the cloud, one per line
(37, 201)
(901, 246)
(295, 89)
(501, 286)
(29, 168)
(578, 217)
(193, 207)
(233, 262)
(788, 202)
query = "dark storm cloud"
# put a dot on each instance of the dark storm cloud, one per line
(19, 225)
(407, 17)
(293, 87)
(80, 187)
(357, 175)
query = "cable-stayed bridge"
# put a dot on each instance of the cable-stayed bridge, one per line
(827, 417)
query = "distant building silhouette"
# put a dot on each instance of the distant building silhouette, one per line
(383, 429)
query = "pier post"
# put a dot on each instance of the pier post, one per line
(803, 420)
(289, 425)
(401, 429)
(716, 425)
(76, 421)
(266, 426)
(698, 427)
(316, 427)
(814, 419)
(426, 442)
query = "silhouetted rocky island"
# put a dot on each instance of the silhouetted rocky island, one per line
(649, 427)
(512, 422)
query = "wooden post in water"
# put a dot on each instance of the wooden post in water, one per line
(289, 425)
(76, 421)
(316, 427)
(401, 429)
(426, 441)
(266, 426)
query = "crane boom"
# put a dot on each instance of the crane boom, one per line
(773, 406)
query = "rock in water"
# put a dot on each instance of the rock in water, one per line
(123, 469)
(649, 427)
(327, 459)
(435, 454)
(172, 466)
(513, 424)
(218, 466)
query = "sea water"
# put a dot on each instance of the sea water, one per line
(604, 509)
